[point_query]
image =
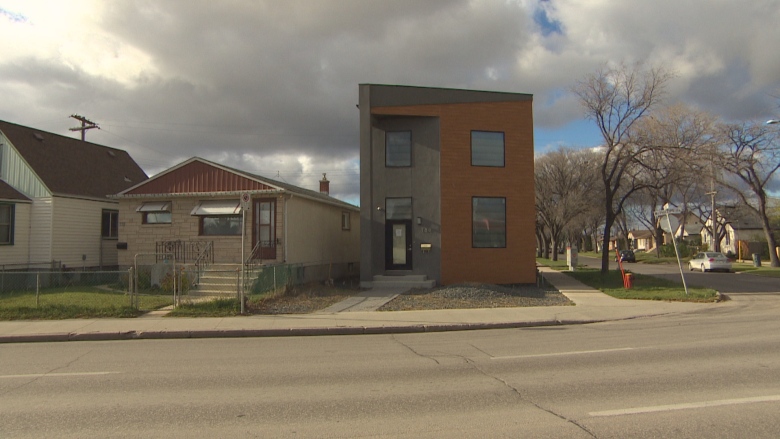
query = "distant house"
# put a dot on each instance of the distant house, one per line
(641, 240)
(446, 186)
(742, 229)
(54, 205)
(195, 208)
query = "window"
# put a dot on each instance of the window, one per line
(398, 148)
(220, 225)
(345, 221)
(488, 222)
(219, 217)
(158, 212)
(7, 224)
(487, 148)
(398, 208)
(110, 223)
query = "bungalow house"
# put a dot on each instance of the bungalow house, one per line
(641, 240)
(54, 205)
(742, 232)
(446, 186)
(195, 210)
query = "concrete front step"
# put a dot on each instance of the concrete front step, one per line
(403, 281)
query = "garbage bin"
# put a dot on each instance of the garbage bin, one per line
(756, 260)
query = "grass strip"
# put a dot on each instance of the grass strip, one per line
(645, 287)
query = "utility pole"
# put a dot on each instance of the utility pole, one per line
(86, 124)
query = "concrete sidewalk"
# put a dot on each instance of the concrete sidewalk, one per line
(591, 306)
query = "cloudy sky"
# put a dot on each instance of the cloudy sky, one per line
(270, 86)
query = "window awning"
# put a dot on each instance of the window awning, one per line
(157, 206)
(217, 207)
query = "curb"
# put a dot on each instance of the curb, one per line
(292, 332)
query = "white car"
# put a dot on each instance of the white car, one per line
(710, 261)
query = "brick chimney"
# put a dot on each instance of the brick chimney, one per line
(324, 185)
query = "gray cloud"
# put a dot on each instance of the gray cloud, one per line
(271, 87)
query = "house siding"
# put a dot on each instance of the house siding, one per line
(324, 241)
(17, 173)
(41, 220)
(77, 240)
(459, 182)
(19, 251)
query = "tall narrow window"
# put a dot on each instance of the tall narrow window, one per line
(345, 221)
(110, 224)
(487, 148)
(398, 148)
(264, 229)
(6, 224)
(488, 222)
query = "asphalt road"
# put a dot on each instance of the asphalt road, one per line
(728, 283)
(714, 373)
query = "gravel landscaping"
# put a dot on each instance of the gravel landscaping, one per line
(468, 296)
(314, 297)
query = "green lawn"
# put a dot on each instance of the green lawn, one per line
(764, 270)
(65, 303)
(211, 308)
(645, 287)
(559, 265)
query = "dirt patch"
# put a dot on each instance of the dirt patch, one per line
(303, 299)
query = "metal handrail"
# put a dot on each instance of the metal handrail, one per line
(204, 260)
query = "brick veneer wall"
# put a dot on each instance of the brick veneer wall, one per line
(142, 238)
(460, 182)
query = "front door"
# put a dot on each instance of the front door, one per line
(398, 245)
(264, 229)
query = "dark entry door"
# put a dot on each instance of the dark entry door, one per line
(264, 229)
(398, 245)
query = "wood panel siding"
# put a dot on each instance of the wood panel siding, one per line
(198, 177)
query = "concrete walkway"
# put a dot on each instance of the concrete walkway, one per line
(347, 317)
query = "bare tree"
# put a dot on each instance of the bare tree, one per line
(683, 138)
(563, 183)
(750, 154)
(615, 98)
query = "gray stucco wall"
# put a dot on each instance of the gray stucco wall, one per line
(421, 182)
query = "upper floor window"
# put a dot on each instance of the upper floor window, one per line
(110, 224)
(158, 212)
(488, 222)
(398, 148)
(6, 224)
(487, 148)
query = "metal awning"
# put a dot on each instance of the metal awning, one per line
(217, 207)
(157, 206)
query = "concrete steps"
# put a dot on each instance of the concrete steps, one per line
(403, 281)
(219, 280)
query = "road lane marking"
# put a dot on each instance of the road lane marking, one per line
(71, 374)
(685, 406)
(559, 354)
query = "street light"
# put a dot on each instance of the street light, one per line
(772, 121)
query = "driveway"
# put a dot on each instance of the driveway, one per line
(729, 283)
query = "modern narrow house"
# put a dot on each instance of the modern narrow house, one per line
(54, 205)
(446, 186)
(194, 211)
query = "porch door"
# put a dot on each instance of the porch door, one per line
(264, 229)
(398, 244)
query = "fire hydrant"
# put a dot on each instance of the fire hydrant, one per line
(628, 281)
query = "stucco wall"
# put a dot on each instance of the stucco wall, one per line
(315, 234)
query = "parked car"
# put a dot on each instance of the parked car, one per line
(626, 256)
(710, 261)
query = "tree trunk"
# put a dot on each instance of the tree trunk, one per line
(771, 242)
(610, 220)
